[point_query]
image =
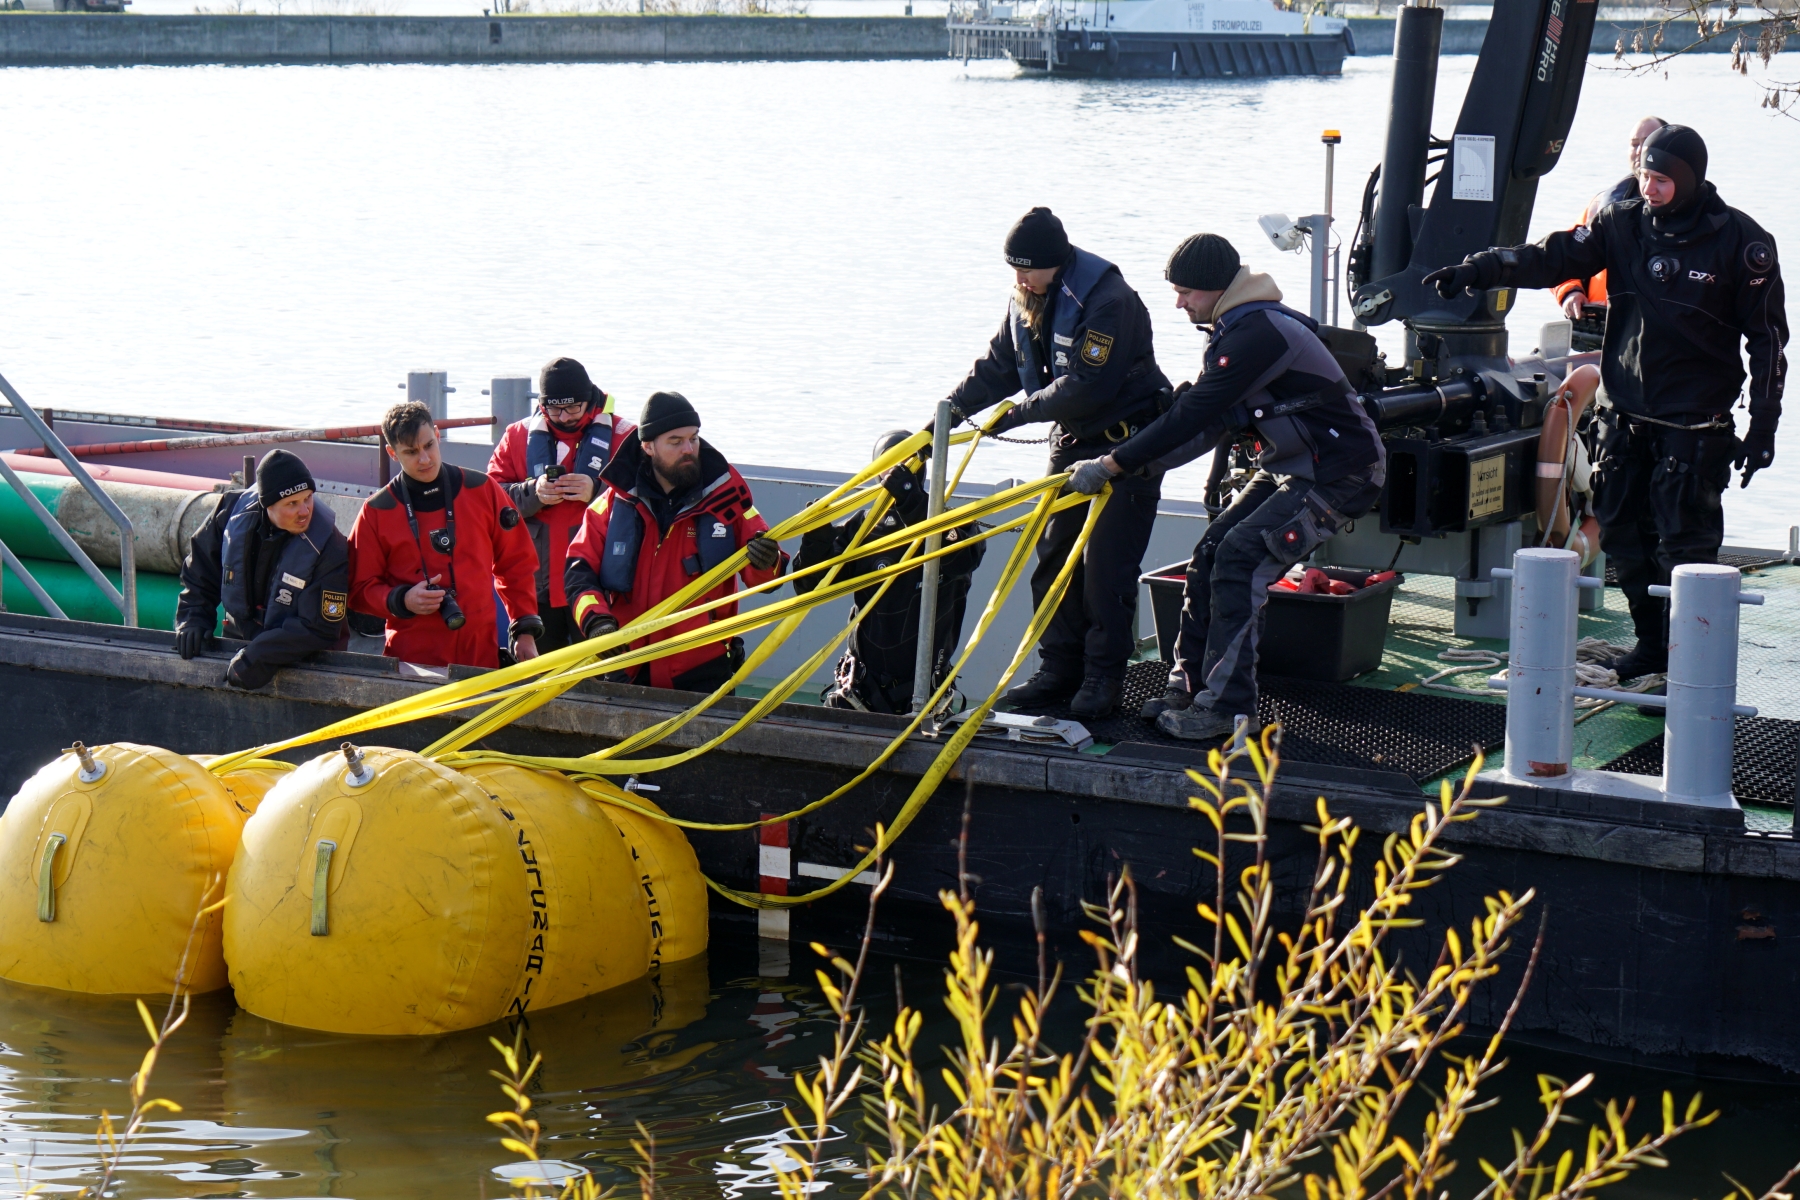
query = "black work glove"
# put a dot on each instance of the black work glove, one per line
(243, 673)
(1452, 282)
(598, 624)
(817, 545)
(1012, 418)
(190, 640)
(907, 487)
(1756, 451)
(763, 551)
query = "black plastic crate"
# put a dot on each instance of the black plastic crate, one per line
(1333, 638)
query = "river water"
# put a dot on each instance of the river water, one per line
(810, 252)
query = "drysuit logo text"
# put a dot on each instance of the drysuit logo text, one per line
(1553, 31)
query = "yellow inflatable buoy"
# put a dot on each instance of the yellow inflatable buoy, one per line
(593, 929)
(247, 785)
(386, 894)
(106, 859)
(668, 873)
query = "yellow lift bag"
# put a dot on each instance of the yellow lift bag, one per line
(106, 860)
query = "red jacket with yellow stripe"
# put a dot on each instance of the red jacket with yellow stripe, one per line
(636, 547)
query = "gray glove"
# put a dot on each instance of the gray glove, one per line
(763, 552)
(1090, 476)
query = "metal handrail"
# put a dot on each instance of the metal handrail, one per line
(31, 584)
(125, 602)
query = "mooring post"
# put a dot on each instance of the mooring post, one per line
(924, 681)
(1540, 691)
(509, 399)
(1699, 720)
(430, 388)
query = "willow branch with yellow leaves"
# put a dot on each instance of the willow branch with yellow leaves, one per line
(1286, 1059)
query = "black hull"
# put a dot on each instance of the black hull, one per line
(1647, 955)
(1169, 56)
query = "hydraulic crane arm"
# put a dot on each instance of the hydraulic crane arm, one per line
(1515, 118)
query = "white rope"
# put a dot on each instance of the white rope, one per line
(1588, 672)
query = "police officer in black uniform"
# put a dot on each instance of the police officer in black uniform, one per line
(1076, 340)
(273, 556)
(877, 670)
(1321, 464)
(1687, 276)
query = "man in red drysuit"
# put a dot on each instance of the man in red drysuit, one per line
(428, 550)
(673, 510)
(550, 464)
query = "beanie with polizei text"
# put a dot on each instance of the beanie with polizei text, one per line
(281, 474)
(1037, 241)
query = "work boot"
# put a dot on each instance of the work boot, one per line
(1173, 699)
(1196, 724)
(1642, 659)
(1043, 688)
(1098, 697)
(1656, 710)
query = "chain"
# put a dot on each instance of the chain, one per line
(1043, 441)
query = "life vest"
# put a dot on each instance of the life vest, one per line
(1077, 281)
(591, 452)
(293, 569)
(714, 539)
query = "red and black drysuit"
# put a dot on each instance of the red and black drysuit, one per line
(490, 550)
(638, 546)
(526, 450)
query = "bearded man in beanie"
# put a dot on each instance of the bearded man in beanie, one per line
(1321, 464)
(549, 465)
(274, 558)
(1687, 277)
(673, 510)
(1076, 341)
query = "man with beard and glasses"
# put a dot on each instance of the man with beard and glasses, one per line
(549, 465)
(1687, 277)
(1076, 340)
(673, 510)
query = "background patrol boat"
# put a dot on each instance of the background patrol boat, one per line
(1205, 39)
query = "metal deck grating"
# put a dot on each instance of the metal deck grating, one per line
(1764, 753)
(1419, 735)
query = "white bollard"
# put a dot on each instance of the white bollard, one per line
(1702, 684)
(1540, 691)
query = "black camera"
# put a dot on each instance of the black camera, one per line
(443, 541)
(451, 611)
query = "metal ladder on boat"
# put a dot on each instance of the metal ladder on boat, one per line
(123, 598)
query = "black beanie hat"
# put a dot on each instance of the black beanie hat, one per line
(664, 411)
(1680, 153)
(565, 379)
(1205, 262)
(279, 475)
(1037, 240)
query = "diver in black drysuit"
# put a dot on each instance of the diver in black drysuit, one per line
(1321, 464)
(1687, 278)
(878, 668)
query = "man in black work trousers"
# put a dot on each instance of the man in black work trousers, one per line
(1321, 464)
(1686, 277)
(1076, 341)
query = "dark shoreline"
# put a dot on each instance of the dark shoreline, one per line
(56, 39)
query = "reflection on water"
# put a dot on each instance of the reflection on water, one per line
(701, 1057)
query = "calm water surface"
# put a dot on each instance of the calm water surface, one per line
(702, 1059)
(810, 251)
